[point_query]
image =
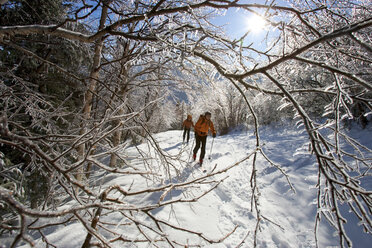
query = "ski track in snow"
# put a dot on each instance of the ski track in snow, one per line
(233, 196)
(289, 217)
(292, 213)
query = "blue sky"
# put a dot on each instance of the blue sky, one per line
(237, 21)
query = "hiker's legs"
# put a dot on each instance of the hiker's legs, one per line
(188, 135)
(184, 133)
(203, 141)
(197, 144)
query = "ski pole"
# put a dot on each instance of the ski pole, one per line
(210, 152)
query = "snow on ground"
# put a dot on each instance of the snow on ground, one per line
(289, 216)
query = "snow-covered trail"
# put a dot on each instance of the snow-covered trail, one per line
(288, 223)
(288, 216)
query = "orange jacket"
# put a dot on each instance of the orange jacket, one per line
(203, 125)
(188, 123)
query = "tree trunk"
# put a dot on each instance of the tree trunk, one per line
(122, 94)
(116, 140)
(88, 98)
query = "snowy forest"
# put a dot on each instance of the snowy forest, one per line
(88, 87)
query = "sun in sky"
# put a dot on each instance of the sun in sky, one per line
(255, 23)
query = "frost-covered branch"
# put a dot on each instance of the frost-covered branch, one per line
(84, 88)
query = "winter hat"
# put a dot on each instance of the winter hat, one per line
(208, 113)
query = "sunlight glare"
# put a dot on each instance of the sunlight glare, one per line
(256, 23)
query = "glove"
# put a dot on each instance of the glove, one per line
(214, 135)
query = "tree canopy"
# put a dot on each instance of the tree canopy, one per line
(83, 80)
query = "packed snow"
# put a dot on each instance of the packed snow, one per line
(289, 213)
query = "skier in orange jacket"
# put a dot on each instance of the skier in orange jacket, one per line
(187, 124)
(202, 127)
